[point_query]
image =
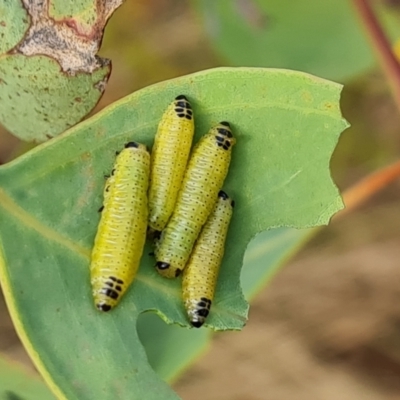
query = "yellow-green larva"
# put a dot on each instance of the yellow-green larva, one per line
(121, 233)
(168, 160)
(204, 176)
(201, 272)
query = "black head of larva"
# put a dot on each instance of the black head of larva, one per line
(181, 97)
(162, 265)
(223, 195)
(132, 144)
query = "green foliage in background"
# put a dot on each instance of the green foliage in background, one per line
(16, 383)
(319, 37)
(286, 124)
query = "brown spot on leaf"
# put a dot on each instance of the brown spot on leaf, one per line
(69, 40)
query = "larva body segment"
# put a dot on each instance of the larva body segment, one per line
(121, 232)
(205, 174)
(168, 160)
(201, 272)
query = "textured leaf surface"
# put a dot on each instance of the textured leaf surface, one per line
(319, 37)
(18, 384)
(286, 124)
(50, 76)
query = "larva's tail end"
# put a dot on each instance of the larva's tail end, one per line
(103, 307)
(197, 323)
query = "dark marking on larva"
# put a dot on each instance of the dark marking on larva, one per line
(113, 278)
(120, 281)
(223, 132)
(220, 144)
(205, 300)
(181, 97)
(101, 209)
(119, 288)
(117, 153)
(110, 293)
(225, 147)
(233, 203)
(181, 115)
(203, 312)
(189, 117)
(181, 104)
(189, 111)
(179, 110)
(223, 195)
(162, 265)
(109, 284)
(177, 272)
(219, 139)
(104, 307)
(197, 323)
(113, 171)
(225, 124)
(107, 188)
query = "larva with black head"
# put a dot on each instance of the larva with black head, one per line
(201, 272)
(204, 176)
(169, 158)
(121, 233)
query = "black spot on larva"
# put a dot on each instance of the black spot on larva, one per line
(119, 288)
(117, 153)
(223, 132)
(189, 111)
(201, 304)
(225, 147)
(103, 307)
(101, 209)
(109, 284)
(113, 171)
(132, 144)
(225, 124)
(120, 281)
(197, 323)
(112, 278)
(203, 312)
(177, 272)
(223, 195)
(220, 144)
(179, 110)
(220, 139)
(181, 97)
(162, 265)
(206, 300)
(181, 115)
(180, 104)
(189, 117)
(110, 293)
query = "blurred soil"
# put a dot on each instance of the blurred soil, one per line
(328, 325)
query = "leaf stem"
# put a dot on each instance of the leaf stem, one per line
(380, 45)
(367, 187)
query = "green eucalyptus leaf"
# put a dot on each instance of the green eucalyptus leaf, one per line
(319, 37)
(286, 124)
(50, 75)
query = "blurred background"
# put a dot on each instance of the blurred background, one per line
(328, 325)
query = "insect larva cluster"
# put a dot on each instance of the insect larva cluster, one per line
(177, 197)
